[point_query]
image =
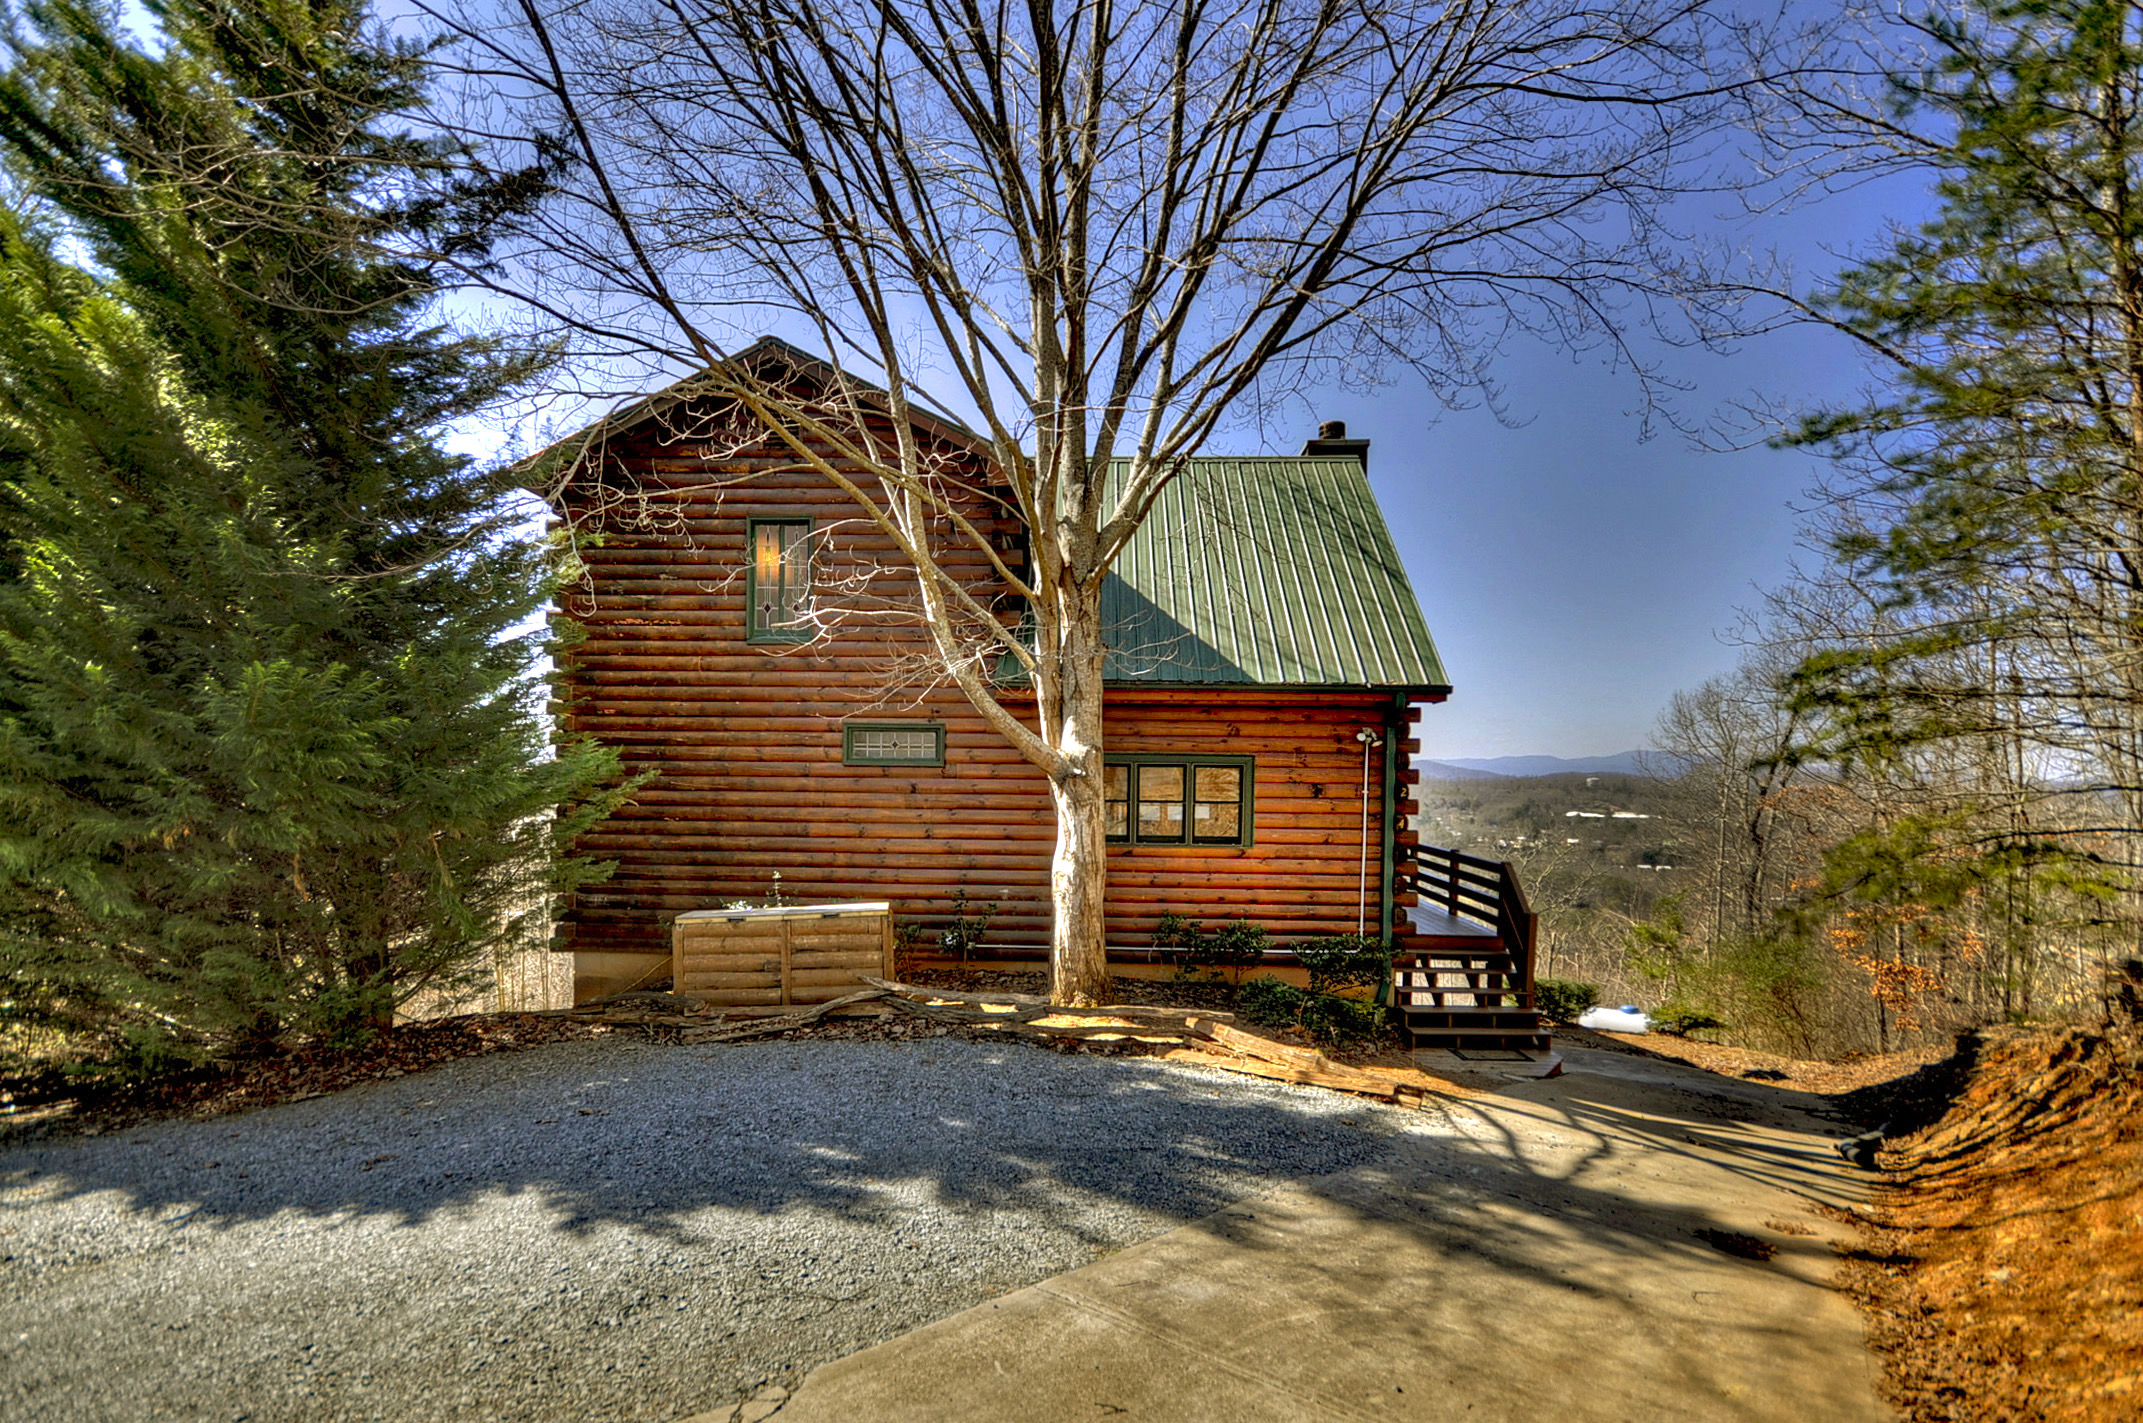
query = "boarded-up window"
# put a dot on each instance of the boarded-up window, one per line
(780, 592)
(1174, 800)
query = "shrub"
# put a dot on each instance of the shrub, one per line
(1341, 961)
(1200, 952)
(1335, 1022)
(966, 930)
(1270, 1002)
(1564, 999)
(1337, 962)
(1682, 1019)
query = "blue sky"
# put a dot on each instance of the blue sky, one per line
(1574, 574)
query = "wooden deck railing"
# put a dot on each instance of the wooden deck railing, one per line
(1485, 891)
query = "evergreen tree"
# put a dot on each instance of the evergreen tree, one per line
(1993, 487)
(271, 756)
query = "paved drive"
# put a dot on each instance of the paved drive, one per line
(1548, 1260)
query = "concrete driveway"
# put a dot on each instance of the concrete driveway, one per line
(1634, 1240)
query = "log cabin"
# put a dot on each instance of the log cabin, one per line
(747, 641)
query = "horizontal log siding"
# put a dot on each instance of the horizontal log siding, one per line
(745, 744)
(1300, 874)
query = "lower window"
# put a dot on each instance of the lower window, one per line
(1178, 800)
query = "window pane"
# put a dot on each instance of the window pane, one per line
(1160, 802)
(1220, 783)
(1217, 803)
(1116, 801)
(1160, 783)
(1219, 822)
(894, 743)
(781, 575)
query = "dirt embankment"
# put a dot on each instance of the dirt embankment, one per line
(2005, 1277)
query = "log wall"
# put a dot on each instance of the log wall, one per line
(745, 745)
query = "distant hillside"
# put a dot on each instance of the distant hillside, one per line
(1451, 771)
(1623, 763)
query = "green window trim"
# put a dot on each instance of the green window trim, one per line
(1180, 800)
(787, 560)
(892, 743)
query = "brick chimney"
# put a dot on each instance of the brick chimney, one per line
(1332, 440)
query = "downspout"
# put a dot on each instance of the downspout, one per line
(1369, 742)
(1394, 728)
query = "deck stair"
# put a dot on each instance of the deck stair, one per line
(1462, 967)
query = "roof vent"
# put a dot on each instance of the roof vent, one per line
(1332, 440)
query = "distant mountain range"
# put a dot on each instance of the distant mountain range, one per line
(1466, 768)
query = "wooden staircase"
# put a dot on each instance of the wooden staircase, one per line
(1462, 966)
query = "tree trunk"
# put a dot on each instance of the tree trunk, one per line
(1078, 871)
(1078, 883)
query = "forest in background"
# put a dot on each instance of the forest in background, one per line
(1811, 907)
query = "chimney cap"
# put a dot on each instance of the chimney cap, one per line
(1332, 440)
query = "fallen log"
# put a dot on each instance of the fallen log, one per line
(767, 1027)
(1252, 1045)
(909, 990)
(1210, 1039)
(650, 998)
(1088, 1031)
(1335, 1076)
(915, 997)
(973, 1017)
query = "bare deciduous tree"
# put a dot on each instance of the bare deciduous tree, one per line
(1106, 228)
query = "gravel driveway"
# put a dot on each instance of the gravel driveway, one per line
(604, 1230)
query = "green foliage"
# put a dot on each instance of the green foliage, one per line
(1331, 1016)
(1330, 1020)
(960, 936)
(1993, 471)
(1335, 1022)
(1270, 1002)
(1338, 962)
(1660, 947)
(1203, 953)
(1564, 999)
(1682, 1019)
(271, 751)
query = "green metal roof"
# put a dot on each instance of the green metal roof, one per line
(1271, 571)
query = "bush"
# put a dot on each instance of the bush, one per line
(1564, 999)
(1330, 1020)
(960, 936)
(1270, 1002)
(1341, 961)
(1336, 1022)
(1682, 1019)
(1202, 952)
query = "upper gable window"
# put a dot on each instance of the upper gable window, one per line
(779, 595)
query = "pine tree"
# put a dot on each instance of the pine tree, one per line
(271, 750)
(1992, 489)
